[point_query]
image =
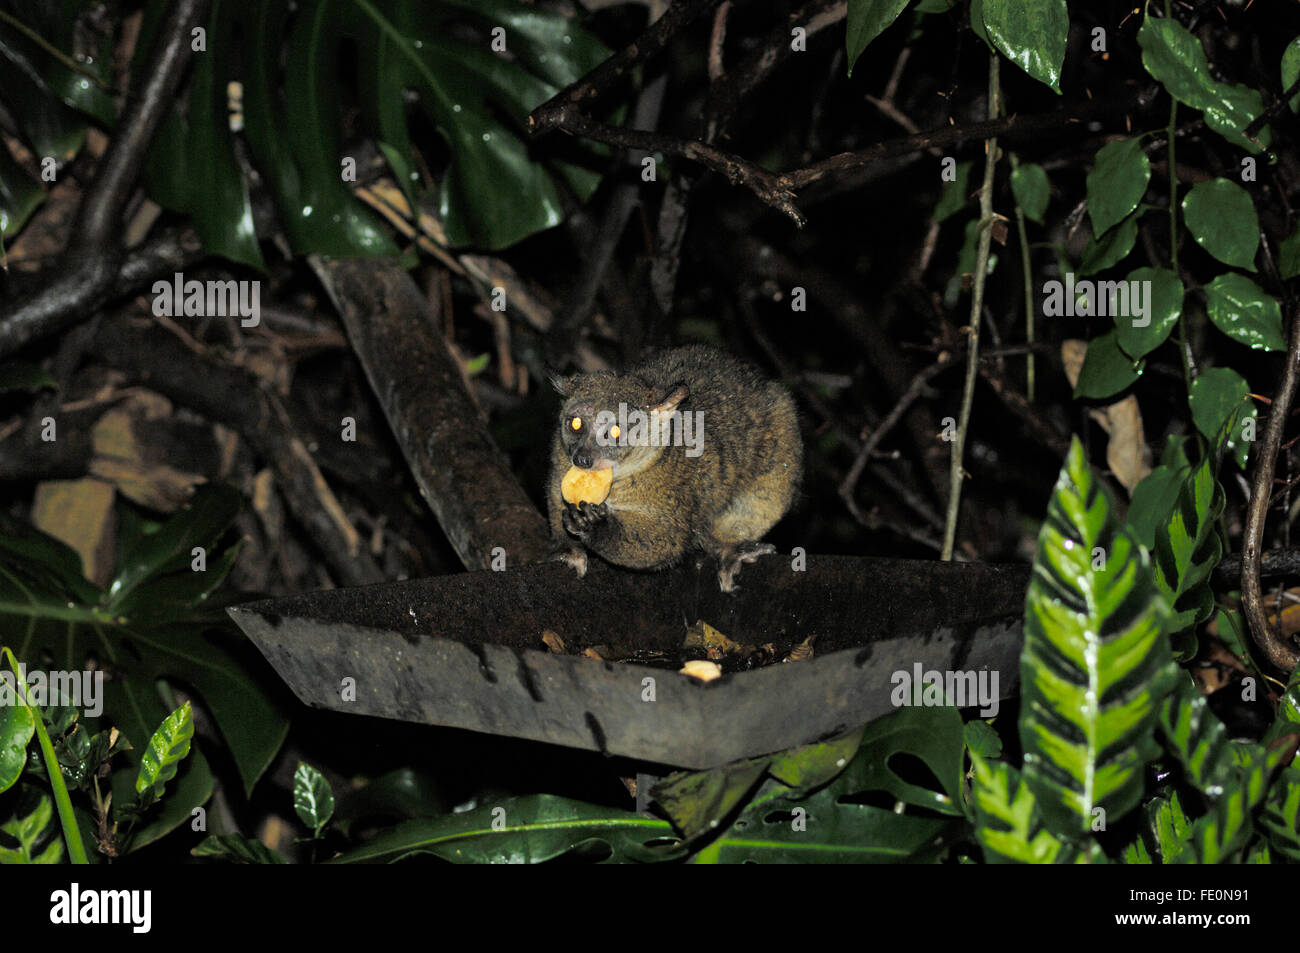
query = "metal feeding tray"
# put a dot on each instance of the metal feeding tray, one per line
(466, 651)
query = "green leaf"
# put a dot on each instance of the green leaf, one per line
(399, 795)
(1030, 187)
(1032, 36)
(1175, 452)
(1234, 778)
(1153, 502)
(1106, 369)
(982, 739)
(1231, 628)
(1007, 823)
(20, 195)
(1163, 293)
(524, 830)
(1222, 219)
(31, 825)
(1174, 57)
(699, 801)
(1280, 818)
(313, 800)
(150, 572)
(167, 748)
(1220, 405)
(1170, 828)
(1197, 737)
(495, 191)
(811, 766)
(977, 24)
(1135, 852)
(834, 824)
(1236, 108)
(1244, 312)
(932, 735)
(200, 138)
(1187, 549)
(237, 849)
(1219, 836)
(1096, 664)
(1288, 715)
(1116, 183)
(17, 725)
(1291, 71)
(1111, 248)
(867, 19)
(966, 257)
(1288, 255)
(955, 194)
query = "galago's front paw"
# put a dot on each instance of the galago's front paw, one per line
(581, 519)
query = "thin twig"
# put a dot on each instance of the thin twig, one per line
(716, 41)
(957, 471)
(772, 189)
(587, 91)
(914, 390)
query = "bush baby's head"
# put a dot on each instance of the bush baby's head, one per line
(604, 420)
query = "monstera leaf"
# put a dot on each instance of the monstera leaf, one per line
(470, 71)
(48, 95)
(151, 633)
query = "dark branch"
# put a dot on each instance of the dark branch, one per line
(590, 89)
(1277, 648)
(94, 254)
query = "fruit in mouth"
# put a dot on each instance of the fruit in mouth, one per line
(586, 486)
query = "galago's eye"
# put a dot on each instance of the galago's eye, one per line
(614, 431)
(575, 424)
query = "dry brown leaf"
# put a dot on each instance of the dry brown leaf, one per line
(705, 637)
(802, 651)
(80, 512)
(1127, 453)
(139, 468)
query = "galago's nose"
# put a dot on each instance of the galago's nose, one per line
(582, 460)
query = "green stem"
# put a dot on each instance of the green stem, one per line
(1172, 131)
(71, 832)
(1027, 272)
(956, 471)
(53, 50)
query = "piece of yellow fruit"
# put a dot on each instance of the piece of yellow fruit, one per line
(586, 486)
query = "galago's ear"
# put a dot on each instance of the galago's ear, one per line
(668, 403)
(563, 385)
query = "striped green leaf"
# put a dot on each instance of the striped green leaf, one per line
(1096, 662)
(1007, 824)
(1188, 548)
(167, 748)
(1233, 778)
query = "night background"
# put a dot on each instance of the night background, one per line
(447, 204)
